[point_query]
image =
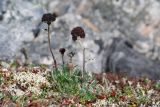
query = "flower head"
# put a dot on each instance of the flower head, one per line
(62, 50)
(49, 18)
(77, 32)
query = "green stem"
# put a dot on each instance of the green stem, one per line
(49, 43)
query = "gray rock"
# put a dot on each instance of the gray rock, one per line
(20, 18)
(122, 58)
(136, 20)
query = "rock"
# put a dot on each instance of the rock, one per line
(122, 58)
(16, 27)
(136, 20)
(20, 27)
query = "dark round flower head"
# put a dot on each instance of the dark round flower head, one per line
(48, 18)
(62, 50)
(77, 31)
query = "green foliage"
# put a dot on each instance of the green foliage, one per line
(143, 100)
(157, 85)
(127, 90)
(1, 79)
(72, 83)
(1, 95)
(112, 99)
(23, 100)
(65, 81)
(42, 94)
(13, 98)
(86, 94)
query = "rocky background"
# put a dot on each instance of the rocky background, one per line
(21, 30)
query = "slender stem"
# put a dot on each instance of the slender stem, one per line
(83, 58)
(83, 62)
(63, 59)
(70, 59)
(49, 43)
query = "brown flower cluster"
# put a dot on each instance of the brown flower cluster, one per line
(62, 50)
(77, 32)
(49, 18)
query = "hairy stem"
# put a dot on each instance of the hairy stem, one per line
(49, 43)
(83, 71)
(83, 62)
(63, 59)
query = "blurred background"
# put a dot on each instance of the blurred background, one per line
(22, 34)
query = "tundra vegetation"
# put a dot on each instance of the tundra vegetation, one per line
(66, 85)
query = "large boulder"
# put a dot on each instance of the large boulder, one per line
(21, 28)
(19, 19)
(122, 58)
